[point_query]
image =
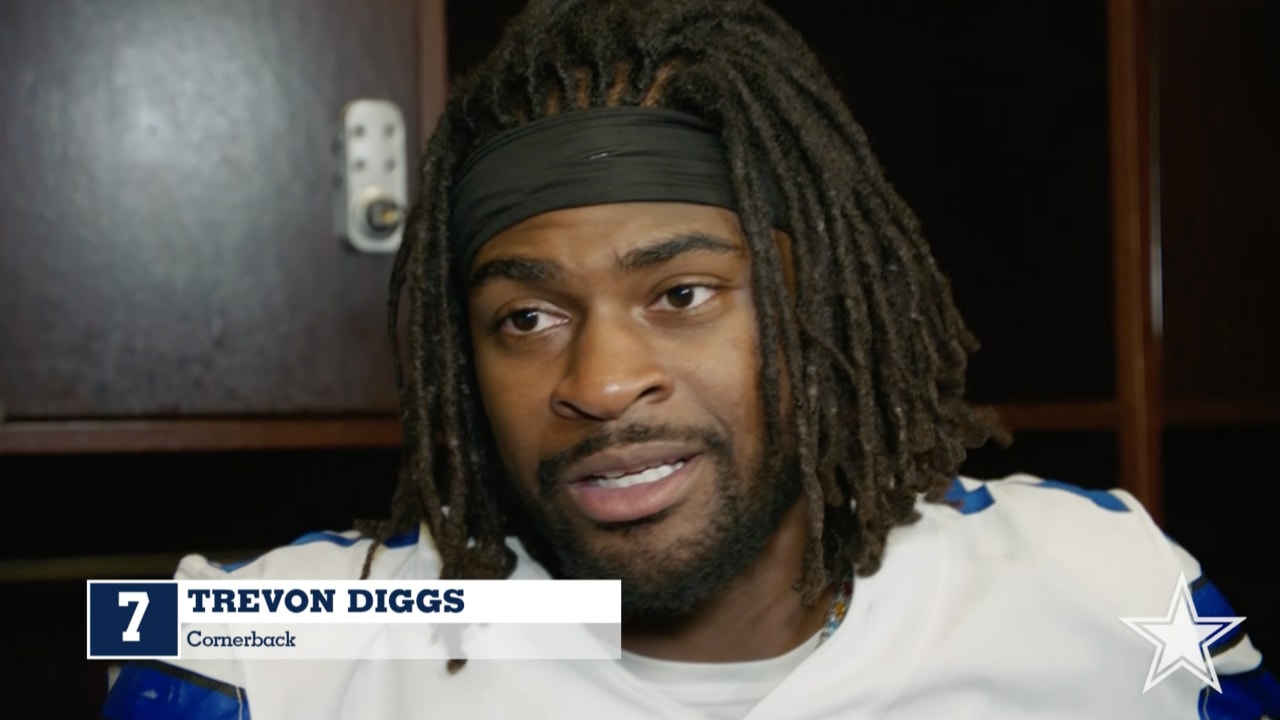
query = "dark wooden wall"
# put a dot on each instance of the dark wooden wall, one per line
(163, 253)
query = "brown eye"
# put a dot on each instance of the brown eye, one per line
(685, 297)
(530, 321)
(680, 297)
(524, 320)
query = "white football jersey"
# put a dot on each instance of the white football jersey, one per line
(1005, 603)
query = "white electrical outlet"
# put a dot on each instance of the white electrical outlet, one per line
(371, 181)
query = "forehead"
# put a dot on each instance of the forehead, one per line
(602, 231)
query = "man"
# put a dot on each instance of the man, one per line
(669, 323)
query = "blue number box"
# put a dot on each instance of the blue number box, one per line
(132, 619)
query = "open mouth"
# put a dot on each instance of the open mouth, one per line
(622, 490)
(624, 479)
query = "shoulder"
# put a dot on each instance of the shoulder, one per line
(1103, 542)
(1021, 494)
(1033, 558)
(326, 555)
(329, 555)
(227, 687)
(1022, 509)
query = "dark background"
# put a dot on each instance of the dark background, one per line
(193, 364)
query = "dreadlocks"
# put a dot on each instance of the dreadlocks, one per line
(873, 350)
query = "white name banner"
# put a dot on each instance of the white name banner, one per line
(355, 619)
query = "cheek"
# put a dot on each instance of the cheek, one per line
(510, 399)
(725, 377)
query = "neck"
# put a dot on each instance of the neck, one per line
(757, 615)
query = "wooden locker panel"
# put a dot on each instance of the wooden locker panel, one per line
(166, 241)
(1219, 102)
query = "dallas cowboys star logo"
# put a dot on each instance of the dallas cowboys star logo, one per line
(1182, 638)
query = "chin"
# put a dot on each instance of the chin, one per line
(665, 573)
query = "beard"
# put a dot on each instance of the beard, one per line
(662, 581)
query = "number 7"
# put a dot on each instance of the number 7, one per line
(131, 633)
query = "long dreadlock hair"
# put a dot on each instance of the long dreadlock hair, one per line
(873, 349)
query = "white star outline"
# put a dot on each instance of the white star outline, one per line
(1182, 638)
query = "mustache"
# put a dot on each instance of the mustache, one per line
(604, 438)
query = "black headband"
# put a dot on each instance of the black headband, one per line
(585, 157)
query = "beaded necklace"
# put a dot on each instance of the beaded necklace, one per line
(839, 607)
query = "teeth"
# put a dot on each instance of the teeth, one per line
(618, 480)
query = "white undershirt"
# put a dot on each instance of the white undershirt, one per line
(718, 691)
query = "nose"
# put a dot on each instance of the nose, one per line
(613, 366)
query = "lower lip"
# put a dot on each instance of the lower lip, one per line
(618, 505)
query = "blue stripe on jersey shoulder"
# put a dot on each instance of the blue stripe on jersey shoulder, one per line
(968, 501)
(395, 541)
(1101, 498)
(1210, 602)
(1246, 696)
(157, 691)
(978, 499)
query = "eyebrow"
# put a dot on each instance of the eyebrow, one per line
(659, 252)
(518, 269)
(536, 270)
